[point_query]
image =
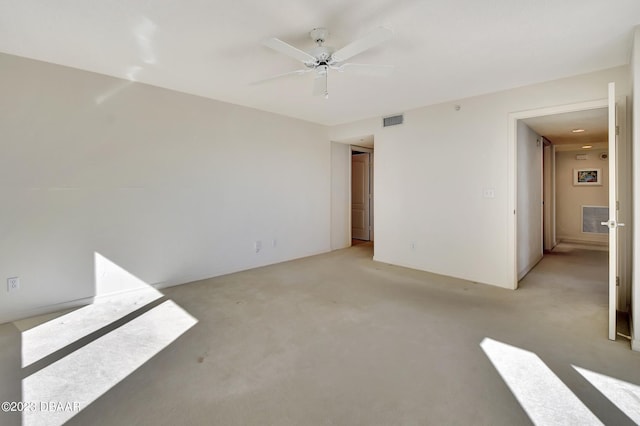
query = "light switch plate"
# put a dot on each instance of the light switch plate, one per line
(489, 193)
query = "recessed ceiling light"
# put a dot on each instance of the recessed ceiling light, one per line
(587, 146)
(578, 130)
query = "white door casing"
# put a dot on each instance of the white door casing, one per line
(360, 196)
(549, 184)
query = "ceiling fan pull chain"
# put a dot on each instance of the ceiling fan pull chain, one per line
(326, 87)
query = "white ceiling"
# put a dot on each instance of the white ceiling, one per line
(443, 49)
(558, 128)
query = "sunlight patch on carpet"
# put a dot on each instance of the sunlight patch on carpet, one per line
(542, 395)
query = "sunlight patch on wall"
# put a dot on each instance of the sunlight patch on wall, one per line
(542, 395)
(624, 395)
(112, 279)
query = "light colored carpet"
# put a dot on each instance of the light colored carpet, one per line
(338, 339)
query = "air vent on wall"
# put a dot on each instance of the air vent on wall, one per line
(392, 121)
(592, 218)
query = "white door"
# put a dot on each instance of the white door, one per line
(613, 211)
(360, 196)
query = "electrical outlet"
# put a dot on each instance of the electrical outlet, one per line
(13, 284)
(412, 245)
(258, 246)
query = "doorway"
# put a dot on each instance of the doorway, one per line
(552, 151)
(361, 194)
(342, 152)
(537, 203)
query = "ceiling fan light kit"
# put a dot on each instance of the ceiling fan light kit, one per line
(322, 58)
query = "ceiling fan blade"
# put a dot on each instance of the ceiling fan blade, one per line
(372, 39)
(320, 85)
(286, 74)
(287, 49)
(367, 69)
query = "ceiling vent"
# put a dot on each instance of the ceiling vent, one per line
(393, 120)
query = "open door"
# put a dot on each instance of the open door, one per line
(613, 224)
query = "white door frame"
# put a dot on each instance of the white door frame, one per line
(512, 234)
(371, 188)
(549, 192)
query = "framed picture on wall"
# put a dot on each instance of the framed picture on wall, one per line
(587, 177)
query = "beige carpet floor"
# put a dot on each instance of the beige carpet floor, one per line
(338, 339)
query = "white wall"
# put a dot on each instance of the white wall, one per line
(570, 198)
(340, 195)
(529, 203)
(635, 119)
(169, 186)
(431, 173)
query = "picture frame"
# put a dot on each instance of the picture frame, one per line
(587, 177)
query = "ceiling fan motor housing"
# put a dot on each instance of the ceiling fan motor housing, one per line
(322, 54)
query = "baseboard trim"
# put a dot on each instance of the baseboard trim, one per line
(56, 307)
(7, 317)
(442, 274)
(573, 240)
(47, 309)
(84, 301)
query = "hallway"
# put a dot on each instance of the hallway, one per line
(573, 278)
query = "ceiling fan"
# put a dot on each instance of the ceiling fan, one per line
(322, 58)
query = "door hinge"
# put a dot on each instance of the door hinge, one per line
(617, 205)
(617, 281)
(617, 130)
